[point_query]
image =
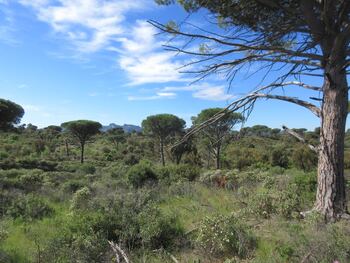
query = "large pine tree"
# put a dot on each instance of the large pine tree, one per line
(307, 37)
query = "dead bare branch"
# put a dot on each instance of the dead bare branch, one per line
(300, 138)
(118, 252)
(246, 104)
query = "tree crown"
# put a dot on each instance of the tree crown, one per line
(82, 129)
(10, 113)
(163, 125)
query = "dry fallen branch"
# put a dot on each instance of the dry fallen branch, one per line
(118, 252)
(300, 138)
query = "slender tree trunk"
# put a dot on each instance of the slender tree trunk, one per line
(330, 199)
(67, 148)
(162, 152)
(218, 149)
(209, 156)
(178, 159)
(82, 152)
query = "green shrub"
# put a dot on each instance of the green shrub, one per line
(32, 180)
(288, 203)
(78, 241)
(81, 199)
(87, 168)
(72, 186)
(279, 157)
(131, 159)
(225, 236)
(29, 208)
(158, 230)
(173, 173)
(187, 171)
(306, 185)
(30, 163)
(141, 174)
(304, 158)
(68, 167)
(3, 233)
(262, 203)
(118, 171)
(3, 155)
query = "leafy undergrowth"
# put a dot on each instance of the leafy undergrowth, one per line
(157, 214)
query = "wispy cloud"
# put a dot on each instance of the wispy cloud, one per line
(7, 24)
(31, 108)
(144, 59)
(217, 93)
(159, 95)
(93, 94)
(23, 86)
(204, 91)
(89, 25)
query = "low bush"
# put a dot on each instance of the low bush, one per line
(304, 158)
(32, 180)
(131, 159)
(141, 174)
(262, 203)
(29, 163)
(72, 186)
(279, 157)
(173, 173)
(87, 168)
(81, 199)
(158, 230)
(118, 170)
(78, 241)
(29, 207)
(225, 236)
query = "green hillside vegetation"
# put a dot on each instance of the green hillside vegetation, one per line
(53, 208)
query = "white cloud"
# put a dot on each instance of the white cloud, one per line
(212, 93)
(31, 108)
(144, 60)
(36, 110)
(97, 25)
(23, 86)
(204, 91)
(100, 25)
(90, 25)
(156, 67)
(159, 95)
(7, 24)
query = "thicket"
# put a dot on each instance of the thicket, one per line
(54, 209)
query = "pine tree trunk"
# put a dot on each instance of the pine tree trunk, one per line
(82, 152)
(330, 199)
(162, 152)
(67, 148)
(218, 149)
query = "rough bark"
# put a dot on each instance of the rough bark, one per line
(331, 199)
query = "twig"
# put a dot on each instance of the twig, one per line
(118, 252)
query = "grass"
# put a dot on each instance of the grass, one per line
(24, 238)
(200, 202)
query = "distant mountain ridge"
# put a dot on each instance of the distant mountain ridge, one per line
(126, 127)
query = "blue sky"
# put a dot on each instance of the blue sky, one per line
(100, 60)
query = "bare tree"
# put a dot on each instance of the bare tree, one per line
(299, 38)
